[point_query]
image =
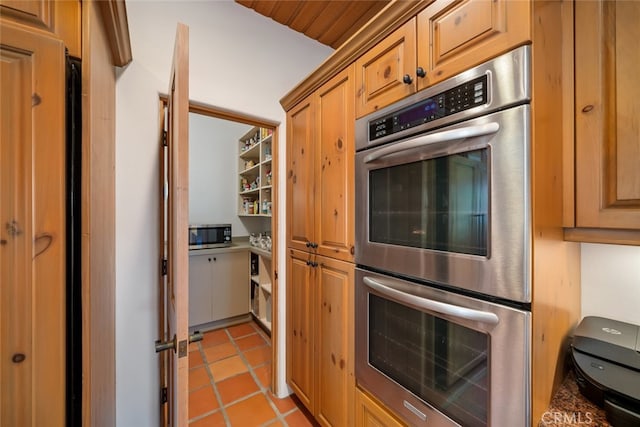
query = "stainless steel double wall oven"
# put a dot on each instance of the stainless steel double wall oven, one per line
(443, 249)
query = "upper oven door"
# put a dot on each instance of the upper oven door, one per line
(451, 206)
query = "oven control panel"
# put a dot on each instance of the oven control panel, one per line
(460, 98)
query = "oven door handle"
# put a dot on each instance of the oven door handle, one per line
(445, 135)
(435, 306)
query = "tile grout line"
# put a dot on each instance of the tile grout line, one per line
(263, 390)
(280, 416)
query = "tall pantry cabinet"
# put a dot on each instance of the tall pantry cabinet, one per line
(34, 368)
(320, 245)
(607, 124)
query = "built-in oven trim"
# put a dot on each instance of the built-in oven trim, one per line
(509, 354)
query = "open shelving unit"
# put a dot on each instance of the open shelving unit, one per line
(255, 173)
(261, 289)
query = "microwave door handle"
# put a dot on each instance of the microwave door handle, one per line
(445, 135)
(435, 306)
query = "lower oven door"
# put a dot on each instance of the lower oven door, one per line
(438, 358)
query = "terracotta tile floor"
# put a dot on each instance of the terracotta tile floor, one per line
(230, 378)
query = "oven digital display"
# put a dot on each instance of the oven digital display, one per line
(460, 98)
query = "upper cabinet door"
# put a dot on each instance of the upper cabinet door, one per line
(454, 35)
(335, 176)
(300, 175)
(607, 114)
(386, 73)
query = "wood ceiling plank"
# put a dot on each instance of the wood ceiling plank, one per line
(265, 7)
(325, 19)
(285, 11)
(365, 16)
(307, 15)
(343, 26)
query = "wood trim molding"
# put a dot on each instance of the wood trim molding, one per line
(114, 16)
(384, 23)
(601, 235)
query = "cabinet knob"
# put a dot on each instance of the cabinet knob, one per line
(407, 79)
(209, 259)
(308, 244)
(420, 72)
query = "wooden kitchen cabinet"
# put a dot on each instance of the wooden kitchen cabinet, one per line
(369, 413)
(218, 286)
(446, 38)
(320, 336)
(455, 35)
(607, 122)
(300, 174)
(320, 170)
(380, 72)
(33, 38)
(61, 17)
(33, 302)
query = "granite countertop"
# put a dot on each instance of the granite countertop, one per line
(570, 408)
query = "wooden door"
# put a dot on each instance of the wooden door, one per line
(300, 175)
(380, 72)
(32, 228)
(607, 114)
(177, 244)
(454, 35)
(301, 327)
(335, 176)
(334, 369)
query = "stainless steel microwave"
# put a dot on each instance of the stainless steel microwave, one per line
(206, 236)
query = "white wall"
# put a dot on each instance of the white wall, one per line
(239, 61)
(213, 172)
(611, 282)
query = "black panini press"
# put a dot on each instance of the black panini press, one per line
(606, 357)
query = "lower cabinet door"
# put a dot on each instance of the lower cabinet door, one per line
(300, 327)
(230, 285)
(199, 289)
(320, 336)
(334, 365)
(370, 414)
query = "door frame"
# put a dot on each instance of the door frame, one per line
(244, 118)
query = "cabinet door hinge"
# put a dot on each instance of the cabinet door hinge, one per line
(163, 395)
(163, 267)
(164, 138)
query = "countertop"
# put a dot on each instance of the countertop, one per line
(239, 244)
(570, 408)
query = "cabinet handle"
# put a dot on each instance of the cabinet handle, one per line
(420, 72)
(209, 259)
(314, 264)
(314, 245)
(308, 244)
(215, 259)
(407, 79)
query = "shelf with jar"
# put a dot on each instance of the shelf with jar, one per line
(254, 166)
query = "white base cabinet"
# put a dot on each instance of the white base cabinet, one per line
(218, 286)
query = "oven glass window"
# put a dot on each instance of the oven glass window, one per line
(439, 203)
(442, 363)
